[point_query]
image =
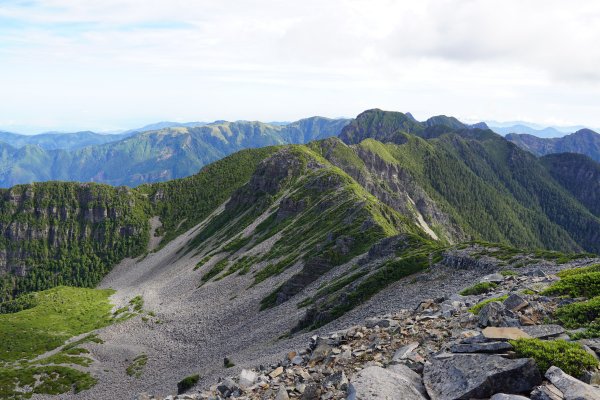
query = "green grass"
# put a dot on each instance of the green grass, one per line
(586, 284)
(137, 303)
(580, 314)
(202, 262)
(479, 288)
(508, 272)
(136, 368)
(187, 383)
(61, 313)
(215, 270)
(578, 271)
(477, 308)
(52, 380)
(568, 356)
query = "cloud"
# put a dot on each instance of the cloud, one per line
(410, 54)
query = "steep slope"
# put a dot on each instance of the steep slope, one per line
(154, 156)
(578, 174)
(584, 141)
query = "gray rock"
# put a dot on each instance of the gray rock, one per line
(478, 376)
(537, 273)
(543, 331)
(502, 396)
(514, 302)
(379, 383)
(297, 360)
(403, 352)
(547, 391)
(247, 378)
(493, 278)
(414, 378)
(320, 352)
(282, 394)
(495, 314)
(311, 392)
(490, 347)
(571, 388)
(227, 387)
(337, 380)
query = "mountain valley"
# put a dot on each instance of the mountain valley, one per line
(286, 231)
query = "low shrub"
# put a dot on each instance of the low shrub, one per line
(479, 288)
(568, 356)
(578, 271)
(477, 307)
(577, 285)
(580, 314)
(187, 383)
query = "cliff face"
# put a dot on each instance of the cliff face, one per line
(66, 233)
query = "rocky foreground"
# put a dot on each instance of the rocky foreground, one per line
(443, 350)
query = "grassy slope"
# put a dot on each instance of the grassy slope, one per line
(57, 315)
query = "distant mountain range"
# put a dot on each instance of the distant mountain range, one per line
(504, 128)
(134, 157)
(584, 141)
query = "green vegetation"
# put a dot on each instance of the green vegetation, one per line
(508, 272)
(60, 313)
(136, 368)
(576, 285)
(57, 315)
(202, 262)
(137, 303)
(578, 271)
(479, 288)
(477, 307)
(187, 383)
(568, 356)
(579, 314)
(215, 270)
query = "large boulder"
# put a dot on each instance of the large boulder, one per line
(379, 383)
(571, 388)
(495, 314)
(478, 376)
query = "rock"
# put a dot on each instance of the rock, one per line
(227, 387)
(320, 352)
(593, 344)
(276, 372)
(403, 352)
(337, 380)
(478, 376)
(311, 392)
(543, 331)
(493, 278)
(547, 391)
(373, 322)
(376, 382)
(282, 394)
(514, 302)
(247, 378)
(495, 314)
(571, 388)
(537, 273)
(490, 347)
(502, 396)
(414, 378)
(504, 333)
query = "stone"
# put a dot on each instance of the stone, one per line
(571, 388)
(247, 378)
(495, 314)
(478, 376)
(376, 382)
(543, 331)
(490, 347)
(311, 392)
(227, 387)
(546, 391)
(337, 380)
(502, 396)
(514, 302)
(320, 352)
(276, 372)
(537, 273)
(414, 378)
(504, 333)
(373, 322)
(297, 360)
(403, 352)
(493, 278)
(282, 394)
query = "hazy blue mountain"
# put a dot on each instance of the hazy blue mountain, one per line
(56, 140)
(153, 156)
(584, 141)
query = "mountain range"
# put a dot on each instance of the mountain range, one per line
(136, 157)
(584, 141)
(279, 239)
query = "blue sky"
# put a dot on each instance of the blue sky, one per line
(116, 64)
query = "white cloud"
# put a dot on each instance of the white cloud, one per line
(133, 61)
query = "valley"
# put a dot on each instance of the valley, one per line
(262, 249)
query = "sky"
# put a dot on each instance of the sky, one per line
(115, 64)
